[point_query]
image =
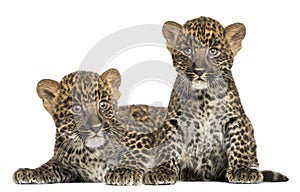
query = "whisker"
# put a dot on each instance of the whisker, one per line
(182, 86)
(67, 143)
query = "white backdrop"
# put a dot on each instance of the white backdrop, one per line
(48, 40)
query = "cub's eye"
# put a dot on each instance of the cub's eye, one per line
(77, 108)
(213, 52)
(188, 51)
(103, 105)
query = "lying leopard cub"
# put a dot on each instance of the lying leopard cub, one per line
(83, 106)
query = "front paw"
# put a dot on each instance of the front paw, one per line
(159, 177)
(27, 176)
(244, 175)
(123, 176)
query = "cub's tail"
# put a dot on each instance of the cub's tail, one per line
(272, 176)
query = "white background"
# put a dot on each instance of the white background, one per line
(41, 39)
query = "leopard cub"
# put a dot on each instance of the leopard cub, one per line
(90, 128)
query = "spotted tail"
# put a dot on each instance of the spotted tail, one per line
(272, 176)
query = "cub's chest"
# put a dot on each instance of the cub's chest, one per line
(92, 165)
(202, 125)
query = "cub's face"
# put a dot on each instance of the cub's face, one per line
(202, 49)
(82, 105)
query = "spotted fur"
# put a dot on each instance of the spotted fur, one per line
(83, 106)
(206, 132)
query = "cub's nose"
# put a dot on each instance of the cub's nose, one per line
(96, 128)
(199, 72)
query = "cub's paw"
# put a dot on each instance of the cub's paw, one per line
(159, 177)
(244, 175)
(27, 176)
(123, 176)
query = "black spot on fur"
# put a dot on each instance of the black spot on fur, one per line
(174, 122)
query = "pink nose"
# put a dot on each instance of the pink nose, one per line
(96, 128)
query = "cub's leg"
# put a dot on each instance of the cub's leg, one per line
(166, 168)
(130, 169)
(164, 174)
(50, 172)
(241, 152)
(244, 175)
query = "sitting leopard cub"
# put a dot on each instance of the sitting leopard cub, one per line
(221, 144)
(83, 106)
(206, 132)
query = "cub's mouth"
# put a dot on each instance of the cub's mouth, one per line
(196, 77)
(207, 79)
(199, 81)
(95, 141)
(93, 136)
(200, 84)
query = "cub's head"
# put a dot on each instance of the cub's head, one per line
(82, 105)
(202, 50)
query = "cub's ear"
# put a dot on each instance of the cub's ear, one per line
(235, 33)
(112, 78)
(47, 90)
(170, 32)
